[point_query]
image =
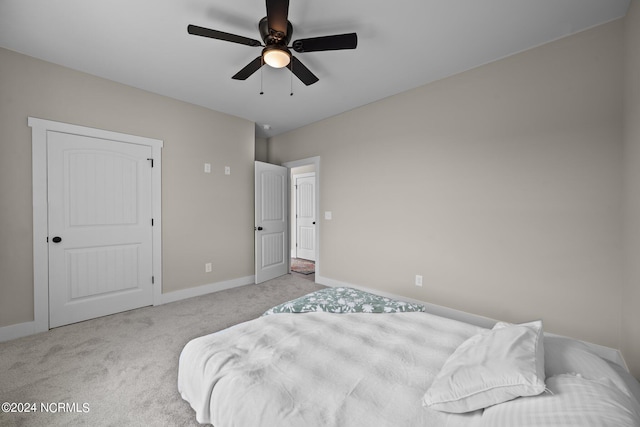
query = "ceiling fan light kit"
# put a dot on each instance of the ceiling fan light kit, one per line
(276, 56)
(276, 32)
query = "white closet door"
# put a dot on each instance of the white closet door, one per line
(100, 227)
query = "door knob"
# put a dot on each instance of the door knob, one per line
(57, 239)
(259, 228)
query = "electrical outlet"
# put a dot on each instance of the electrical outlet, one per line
(418, 280)
(207, 267)
(227, 170)
(207, 168)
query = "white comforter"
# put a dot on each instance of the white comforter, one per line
(321, 369)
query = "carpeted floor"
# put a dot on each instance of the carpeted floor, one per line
(121, 370)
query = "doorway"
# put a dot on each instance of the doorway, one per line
(304, 178)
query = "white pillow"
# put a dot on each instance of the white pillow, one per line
(573, 401)
(568, 356)
(489, 368)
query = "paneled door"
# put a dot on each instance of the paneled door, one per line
(305, 216)
(271, 243)
(100, 227)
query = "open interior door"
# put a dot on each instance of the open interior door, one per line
(271, 221)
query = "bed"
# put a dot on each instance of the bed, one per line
(342, 357)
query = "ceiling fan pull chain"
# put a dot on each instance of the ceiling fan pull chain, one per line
(261, 91)
(291, 75)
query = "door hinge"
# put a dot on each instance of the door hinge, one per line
(153, 280)
(152, 222)
(151, 161)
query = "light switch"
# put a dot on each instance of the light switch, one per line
(207, 168)
(227, 170)
(327, 215)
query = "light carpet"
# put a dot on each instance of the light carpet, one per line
(121, 370)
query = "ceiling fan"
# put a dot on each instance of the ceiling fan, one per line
(276, 31)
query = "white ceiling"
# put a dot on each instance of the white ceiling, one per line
(402, 44)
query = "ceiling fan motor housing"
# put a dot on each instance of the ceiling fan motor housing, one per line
(272, 37)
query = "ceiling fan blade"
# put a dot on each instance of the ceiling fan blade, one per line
(337, 42)
(220, 35)
(249, 69)
(277, 16)
(300, 71)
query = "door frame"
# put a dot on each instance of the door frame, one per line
(39, 129)
(304, 162)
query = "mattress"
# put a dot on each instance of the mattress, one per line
(322, 369)
(347, 358)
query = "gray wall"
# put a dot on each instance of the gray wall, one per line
(501, 186)
(631, 292)
(206, 217)
(262, 149)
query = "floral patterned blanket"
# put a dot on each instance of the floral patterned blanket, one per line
(344, 300)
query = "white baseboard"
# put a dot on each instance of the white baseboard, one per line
(608, 353)
(206, 289)
(29, 328)
(20, 330)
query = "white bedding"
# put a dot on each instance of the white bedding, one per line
(321, 369)
(360, 369)
(572, 401)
